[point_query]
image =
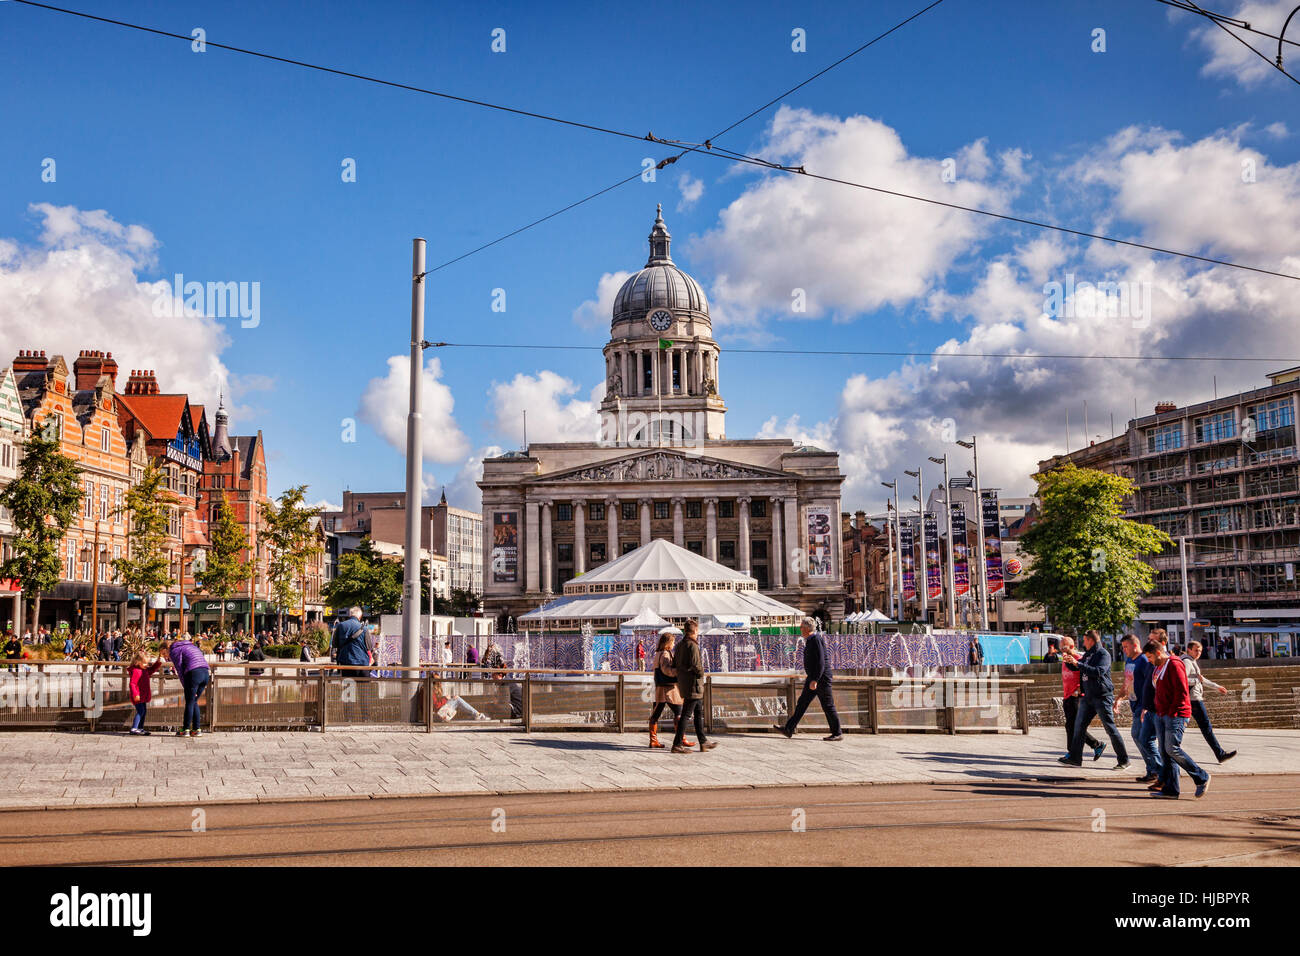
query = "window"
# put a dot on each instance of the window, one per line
(117, 506)
(758, 549)
(1215, 427)
(565, 552)
(1165, 437)
(89, 503)
(1217, 520)
(564, 512)
(629, 547)
(629, 510)
(103, 501)
(72, 559)
(695, 547)
(758, 508)
(596, 512)
(726, 508)
(361, 506)
(1274, 414)
(661, 509)
(692, 509)
(726, 550)
(104, 438)
(597, 551)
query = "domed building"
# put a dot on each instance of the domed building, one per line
(663, 467)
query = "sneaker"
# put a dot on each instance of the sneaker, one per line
(182, 733)
(780, 728)
(1068, 762)
(146, 733)
(1160, 794)
(135, 731)
(482, 716)
(834, 737)
(1122, 765)
(1097, 751)
(1202, 787)
(196, 733)
(680, 750)
(1228, 756)
(1149, 778)
(708, 745)
(1156, 786)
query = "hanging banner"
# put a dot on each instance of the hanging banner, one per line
(957, 541)
(907, 552)
(933, 568)
(505, 547)
(992, 540)
(819, 542)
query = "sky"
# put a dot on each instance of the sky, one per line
(131, 158)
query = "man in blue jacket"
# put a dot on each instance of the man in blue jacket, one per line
(817, 682)
(1098, 700)
(351, 643)
(1142, 703)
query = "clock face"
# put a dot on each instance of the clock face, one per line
(661, 320)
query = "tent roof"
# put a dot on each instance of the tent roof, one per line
(660, 560)
(646, 618)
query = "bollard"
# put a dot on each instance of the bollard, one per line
(620, 705)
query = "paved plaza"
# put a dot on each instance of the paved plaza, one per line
(100, 770)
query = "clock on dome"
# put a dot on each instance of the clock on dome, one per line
(660, 320)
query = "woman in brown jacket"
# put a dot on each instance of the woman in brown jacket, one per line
(666, 693)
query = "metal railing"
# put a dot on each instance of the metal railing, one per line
(94, 696)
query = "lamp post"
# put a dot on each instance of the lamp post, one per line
(93, 554)
(920, 517)
(947, 520)
(896, 542)
(973, 445)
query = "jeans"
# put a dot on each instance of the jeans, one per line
(1202, 718)
(692, 709)
(823, 694)
(1147, 740)
(194, 683)
(459, 704)
(1071, 707)
(137, 722)
(1098, 707)
(1171, 751)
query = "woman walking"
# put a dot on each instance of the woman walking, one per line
(666, 692)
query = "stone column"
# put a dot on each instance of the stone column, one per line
(611, 536)
(531, 525)
(579, 536)
(548, 580)
(711, 528)
(742, 546)
(639, 374)
(795, 543)
(645, 521)
(777, 560)
(679, 522)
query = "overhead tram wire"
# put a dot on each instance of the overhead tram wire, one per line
(705, 148)
(1191, 7)
(1217, 20)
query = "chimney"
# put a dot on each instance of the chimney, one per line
(91, 366)
(1166, 406)
(29, 360)
(141, 382)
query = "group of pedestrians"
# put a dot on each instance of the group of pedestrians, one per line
(1164, 692)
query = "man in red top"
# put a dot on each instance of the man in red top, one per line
(1173, 706)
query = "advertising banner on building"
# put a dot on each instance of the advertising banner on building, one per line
(505, 547)
(933, 568)
(907, 552)
(957, 541)
(819, 542)
(992, 540)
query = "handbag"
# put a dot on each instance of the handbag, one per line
(447, 711)
(663, 680)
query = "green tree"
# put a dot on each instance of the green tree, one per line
(43, 499)
(225, 570)
(147, 567)
(1087, 557)
(367, 579)
(289, 534)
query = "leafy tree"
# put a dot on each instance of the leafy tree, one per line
(367, 579)
(43, 499)
(147, 567)
(1087, 565)
(225, 570)
(290, 537)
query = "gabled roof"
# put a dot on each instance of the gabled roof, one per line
(161, 415)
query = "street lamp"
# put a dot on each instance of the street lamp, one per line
(973, 446)
(896, 598)
(947, 520)
(98, 555)
(921, 585)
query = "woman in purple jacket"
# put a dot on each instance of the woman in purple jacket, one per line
(192, 668)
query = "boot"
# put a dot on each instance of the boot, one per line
(685, 743)
(654, 736)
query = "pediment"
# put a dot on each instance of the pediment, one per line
(659, 464)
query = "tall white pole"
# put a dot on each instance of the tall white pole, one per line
(414, 454)
(952, 546)
(890, 531)
(1187, 607)
(979, 524)
(898, 528)
(922, 582)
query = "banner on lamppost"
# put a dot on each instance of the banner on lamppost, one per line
(933, 567)
(992, 540)
(907, 552)
(957, 542)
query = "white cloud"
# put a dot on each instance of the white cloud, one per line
(80, 288)
(849, 250)
(599, 312)
(692, 189)
(553, 413)
(386, 400)
(1229, 59)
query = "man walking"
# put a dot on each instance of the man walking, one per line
(1197, 683)
(351, 644)
(817, 682)
(690, 684)
(1098, 700)
(1173, 709)
(1141, 698)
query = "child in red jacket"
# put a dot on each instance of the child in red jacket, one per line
(142, 689)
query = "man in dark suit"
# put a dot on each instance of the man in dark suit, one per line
(817, 682)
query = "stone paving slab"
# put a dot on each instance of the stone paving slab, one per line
(42, 769)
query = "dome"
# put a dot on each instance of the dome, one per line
(660, 283)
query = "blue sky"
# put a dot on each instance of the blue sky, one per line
(232, 166)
